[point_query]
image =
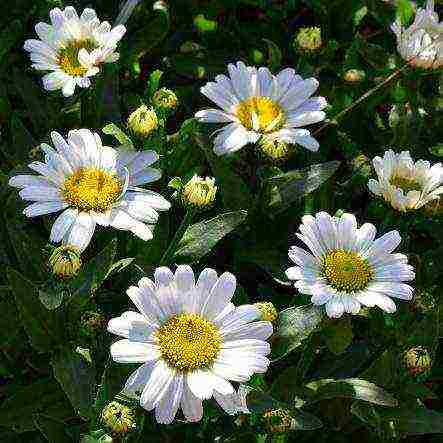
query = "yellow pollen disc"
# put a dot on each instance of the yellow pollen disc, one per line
(68, 57)
(260, 114)
(406, 184)
(188, 342)
(346, 271)
(91, 189)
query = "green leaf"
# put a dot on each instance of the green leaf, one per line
(294, 325)
(51, 298)
(405, 11)
(282, 190)
(44, 328)
(52, 429)
(437, 150)
(18, 410)
(274, 55)
(199, 239)
(407, 420)
(204, 25)
(338, 336)
(154, 82)
(359, 15)
(114, 130)
(77, 378)
(350, 388)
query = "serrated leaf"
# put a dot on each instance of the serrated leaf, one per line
(44, 328)
(350, 388)
(407, 420)
(200, 238)
(284, 189)
(77, 378)
(293, 326)
(115, 131)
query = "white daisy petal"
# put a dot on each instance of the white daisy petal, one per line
(127, 351)
(191, 405)
(169, 404)
(81, 231)
(157, 385)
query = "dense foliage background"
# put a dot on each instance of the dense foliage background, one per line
(55, 371)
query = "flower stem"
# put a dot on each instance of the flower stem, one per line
(169, 253)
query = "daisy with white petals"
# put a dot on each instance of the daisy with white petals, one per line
(422, 43)
(346, 267)
(72, 48)
(93, 185)
(257, 104)
(406, 184)
(191, 340)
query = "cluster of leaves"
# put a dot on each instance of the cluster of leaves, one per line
(340, 379)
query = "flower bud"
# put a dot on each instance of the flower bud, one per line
(278, 421)
(143, 121)
(65, 261)
(417, 361)
(434, 208)
(164, 98)
(92, 323)
(274, 150)
(267, 311)
(199, 193)
(354, 76)
(308, 39)
(118, 418)
(189, 47)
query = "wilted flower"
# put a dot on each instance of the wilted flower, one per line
(191, 340)
(118, 418)
(93, 185)
(274, 150)
(199, 193)
(256, 103)
(164, 98)
(278, 421)
(417, 361)
(143, 121)
(308, 39)
(267, 311)
(65, 261)
(422, 43)
(404, 184)
(354, 75)
(73, 48)
(347, 267)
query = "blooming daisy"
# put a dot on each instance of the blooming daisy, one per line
(422, 43)
(346, 267)
(93, 185)
(405, 184)
(191, 340)
(72, 48)
(257, 104)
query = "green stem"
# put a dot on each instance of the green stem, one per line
(169, 253)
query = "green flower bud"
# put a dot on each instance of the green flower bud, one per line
(118, 418)
(308, 39)
(417, 361)
(199, 193)
(65, 262)
(164, 98)
(143, 121)
(354, 76)
(278, 421)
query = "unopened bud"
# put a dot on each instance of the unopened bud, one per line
(65, 261)
(143, 121)
(274, 150)
(308, 39)
(164, 98)
(199, 193)
(418, 361)
(118, 418)
(278, 421)
(354, 76)
(267, 311)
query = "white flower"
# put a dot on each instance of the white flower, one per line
(191, 340)
(422, 43)
(93, 185)
(72, 48)
(346, 267)
(256, 103)
(405, 184)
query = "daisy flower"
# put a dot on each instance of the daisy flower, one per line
(93, 185)
(72, 48)
(191, 340)
(405, 184)
(257, 104)
(422, 43)
(346, 267)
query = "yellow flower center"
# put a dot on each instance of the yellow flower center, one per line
(68, 57)
(346, 271)
(260, 114)
(405, 183)
(92, 189)
(188, 342)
